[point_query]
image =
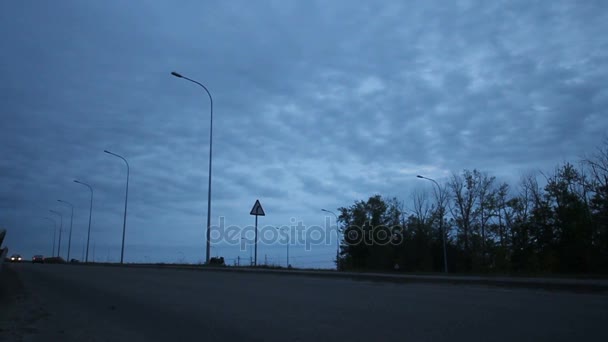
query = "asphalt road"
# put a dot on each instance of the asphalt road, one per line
(80, 303)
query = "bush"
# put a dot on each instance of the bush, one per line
(217, 261)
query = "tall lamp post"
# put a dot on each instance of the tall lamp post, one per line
(71, 221)
(208, 245)
(124, 221)
(250, 251)
(288, 241)
(337, 238)
(440, 199)
(54, 231)
(60, 229)
(90, 214)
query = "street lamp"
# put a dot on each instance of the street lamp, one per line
(54, 231)
(71, 220)
(60, 229)
(90, 214)
(124, 222)
(250, 251)
(440, 199)
(288, 241)
(337, 238)
(208, 245)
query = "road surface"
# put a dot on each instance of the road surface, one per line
(80, 303)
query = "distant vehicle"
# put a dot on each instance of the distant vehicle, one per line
(54, 260)
(38, 259)
(74, 261)
(15, 258)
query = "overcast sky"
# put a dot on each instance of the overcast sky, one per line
(317, 104)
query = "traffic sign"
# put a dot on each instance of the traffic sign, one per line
(257, 209)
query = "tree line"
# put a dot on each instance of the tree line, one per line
(546, 223)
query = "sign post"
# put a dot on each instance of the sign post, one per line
(256, 211)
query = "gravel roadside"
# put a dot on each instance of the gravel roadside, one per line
(35, 308)
(18, 313)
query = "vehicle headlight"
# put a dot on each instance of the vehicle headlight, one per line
(12, 258)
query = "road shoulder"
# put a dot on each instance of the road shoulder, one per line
(19, 314)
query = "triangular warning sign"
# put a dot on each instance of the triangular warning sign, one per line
(257, 209)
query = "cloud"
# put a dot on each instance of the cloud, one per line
(316, 104)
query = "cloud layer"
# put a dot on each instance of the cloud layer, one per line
(317, 104)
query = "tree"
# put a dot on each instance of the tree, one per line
(597, 184)
(438, 217)
(464, 191)
(565, 190)
(369, 233)
(501, 230)
(422, 207)
(520, 207)
(558, 223)
(486, 208)
(541, 229)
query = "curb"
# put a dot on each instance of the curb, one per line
(550, 284)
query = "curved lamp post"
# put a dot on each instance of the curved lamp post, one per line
(90, 214)
(250, 250)
(337, 237)
(71, 221)
(440, 199)
(288, 241)
(54, 231)
(208, 244)
(124, 222)
(60, 229)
